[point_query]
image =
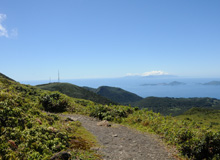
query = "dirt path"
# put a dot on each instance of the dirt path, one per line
(122, 143)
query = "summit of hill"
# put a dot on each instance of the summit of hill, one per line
(116, 94)
(76, 92)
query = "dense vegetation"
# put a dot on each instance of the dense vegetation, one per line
(75, 92)
(204, 117)
(26, 132)
(163, 105)
(176, 106)
(29, 132)
(116, 94)
(6, 77)
(110, 95)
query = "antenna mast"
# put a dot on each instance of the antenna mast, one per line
(58, 76)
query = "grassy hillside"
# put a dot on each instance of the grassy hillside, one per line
(165, 105)
(116, 94)
(6, 77)
(75, 92)
(176, 106)
(208, 118)
(28, 132)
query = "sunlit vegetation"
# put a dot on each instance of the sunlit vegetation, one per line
(176, 106)
(193, 140)
(75, 92)
(208, 118)
(28, 132)
(116, 94)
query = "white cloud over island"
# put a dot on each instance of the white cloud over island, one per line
(151, 73)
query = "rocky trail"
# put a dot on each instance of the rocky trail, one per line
(121, 143)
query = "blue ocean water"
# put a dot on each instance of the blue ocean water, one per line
(193, 87)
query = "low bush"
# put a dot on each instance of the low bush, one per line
(54, 102)
(26, 132)
(110, 113)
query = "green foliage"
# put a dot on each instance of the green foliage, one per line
(24, 129)
(5, 77)
(110, 113)
(54, 102)
(26, 132)
(116, 94)
(208, 118)
(176, 106)
(75, 92)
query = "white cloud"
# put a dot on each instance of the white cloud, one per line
(151, 73)
(154, 73)
(3, 30)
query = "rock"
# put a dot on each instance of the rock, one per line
(71, 119)
(104, 123)
(95, 148)
(115, 135)
(61, 156)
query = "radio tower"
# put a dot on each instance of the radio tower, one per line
(58, 76)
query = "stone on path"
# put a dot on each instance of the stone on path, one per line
(104, 123)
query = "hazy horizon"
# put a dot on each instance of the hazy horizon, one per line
(192, 87)
(99, 78)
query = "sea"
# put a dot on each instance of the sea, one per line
(176, 87)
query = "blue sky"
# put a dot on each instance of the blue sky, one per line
(109, 38)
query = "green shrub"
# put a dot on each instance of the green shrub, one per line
(28, 133)
(54, 102)
(110, 113)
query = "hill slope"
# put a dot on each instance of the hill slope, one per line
(75, 92)
(116, 94)
(27, 132)
(6, 77)
(176, 106)
(208, 118)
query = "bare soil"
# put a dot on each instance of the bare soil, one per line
(121, 143)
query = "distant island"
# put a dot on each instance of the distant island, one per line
(214, 83)
(174, 83)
